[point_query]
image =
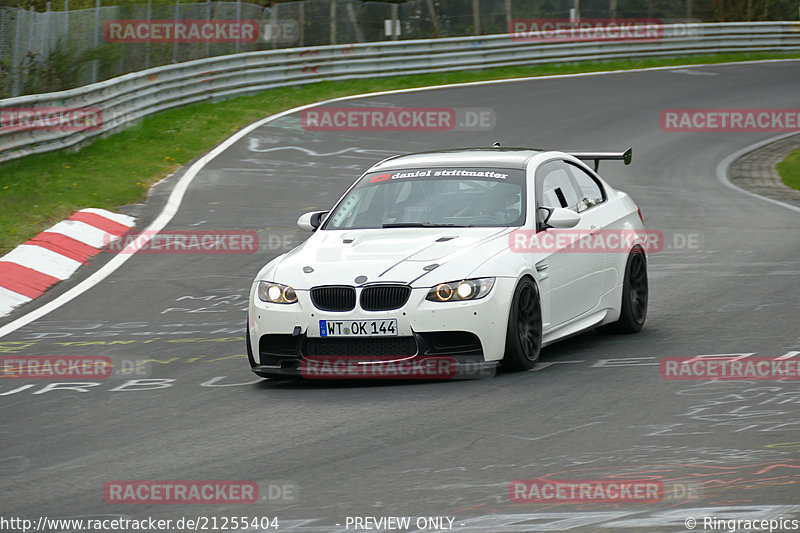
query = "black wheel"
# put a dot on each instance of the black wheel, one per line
(634, 295)
(524, 334)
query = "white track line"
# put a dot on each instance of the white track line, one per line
(176, 197)
(722, 170)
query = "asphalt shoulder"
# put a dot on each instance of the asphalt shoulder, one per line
(756, 171)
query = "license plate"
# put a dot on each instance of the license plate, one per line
(358, 328)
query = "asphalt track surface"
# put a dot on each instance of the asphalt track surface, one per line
(595, 407)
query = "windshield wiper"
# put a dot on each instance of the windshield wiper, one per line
(418, 225)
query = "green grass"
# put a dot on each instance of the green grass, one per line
(38, 191)
(789, 169)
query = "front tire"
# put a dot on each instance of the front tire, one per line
(524, 333)
(634, 295)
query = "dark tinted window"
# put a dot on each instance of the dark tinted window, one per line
(433, 197)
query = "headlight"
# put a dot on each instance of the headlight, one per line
(454, 291)
(276, 293)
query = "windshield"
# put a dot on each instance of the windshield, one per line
(433, 197)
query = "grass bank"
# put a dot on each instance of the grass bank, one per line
(789, 169)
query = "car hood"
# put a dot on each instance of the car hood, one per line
(401, 255)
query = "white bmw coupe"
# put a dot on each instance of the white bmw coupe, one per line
(482, 256)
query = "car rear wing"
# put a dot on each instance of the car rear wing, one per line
(625, 156)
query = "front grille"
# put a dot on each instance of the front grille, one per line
(384, 297)
(334, 298)
(375, 347)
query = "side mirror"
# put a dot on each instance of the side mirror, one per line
(311, 221)
(562, 218)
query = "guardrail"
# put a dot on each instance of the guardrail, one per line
(126, 99)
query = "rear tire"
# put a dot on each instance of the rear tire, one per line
(634, 295)
(524, 333)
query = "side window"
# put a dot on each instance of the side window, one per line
(555, 186)
(590, 191)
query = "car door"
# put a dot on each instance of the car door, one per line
(575, 274)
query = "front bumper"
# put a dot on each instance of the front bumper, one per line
(470, 332)
(463, 369)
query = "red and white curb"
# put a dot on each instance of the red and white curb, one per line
(56, 253)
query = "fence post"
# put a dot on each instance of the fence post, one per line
(476, 17)
(31, 20)
(66, 19)
(96, 42)
(48, 22)
(273, 25)
(434, 20)
(147, 45)
(351, 14)
(208, 19)
(175, 42)
(238, 19)
(395, 8)
(301, 23)
(121, 47)
(333, 21)
(16, 55)
(508, 15)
